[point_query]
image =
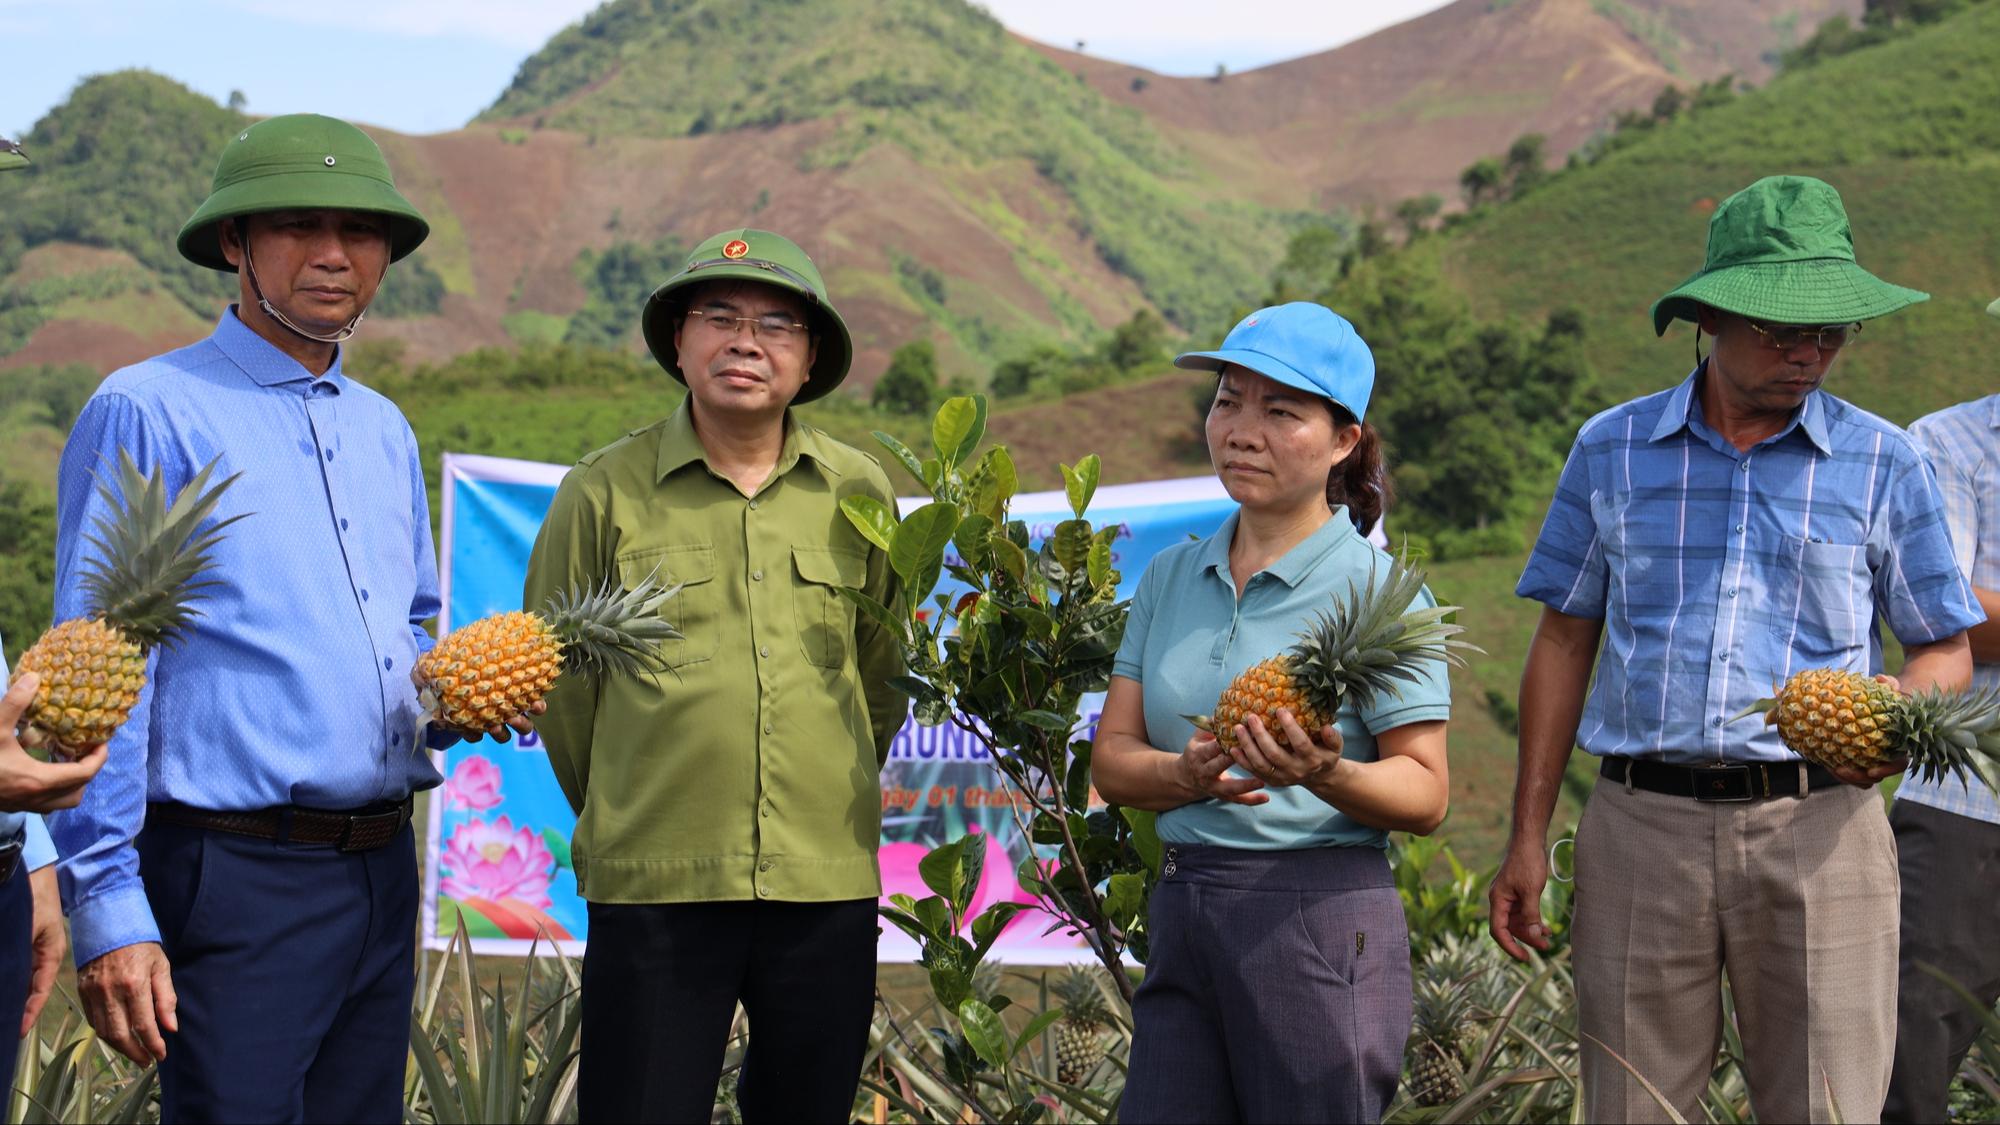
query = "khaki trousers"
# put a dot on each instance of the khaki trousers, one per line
(1794, 897)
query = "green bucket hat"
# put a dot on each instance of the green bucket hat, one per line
(299, 161)
(1780, 250)
(766, 258)
(11, 155)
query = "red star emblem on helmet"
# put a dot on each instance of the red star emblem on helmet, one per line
(735, 248)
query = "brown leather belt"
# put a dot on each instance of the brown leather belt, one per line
(1721, 783)
(354, 830)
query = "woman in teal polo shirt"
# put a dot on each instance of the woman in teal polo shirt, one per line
(1278, 987)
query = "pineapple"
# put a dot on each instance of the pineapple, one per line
(150, 554)
(479, 676)
(1371, 641)
(1847, 720)
(1080, 1033)
(1436, 1058)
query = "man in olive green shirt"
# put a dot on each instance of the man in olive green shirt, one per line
(728, 811)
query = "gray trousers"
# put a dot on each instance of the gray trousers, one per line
(1951, 910)
(1278, 988)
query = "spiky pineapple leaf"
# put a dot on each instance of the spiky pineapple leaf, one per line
(609, 629)
(150, 553)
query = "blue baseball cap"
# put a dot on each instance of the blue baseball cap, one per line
(1302, 345)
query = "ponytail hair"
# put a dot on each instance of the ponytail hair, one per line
(1361, 480)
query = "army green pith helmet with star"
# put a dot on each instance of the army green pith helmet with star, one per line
(769, 259)
(299, 162)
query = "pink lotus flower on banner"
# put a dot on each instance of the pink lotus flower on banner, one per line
(474, 784)
(497, 861)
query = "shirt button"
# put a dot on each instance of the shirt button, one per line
(764, 866)
(1731, 591)
(764, 650)
(766, 810)
(756, 576)
(388, 663)
(364, 595)
(343, 524)
(1725, 658)
(767, 728)
(753, 505)
(1739, 529)
(1746, 466)
(763, 892)
(1715, 722)
(329, 454)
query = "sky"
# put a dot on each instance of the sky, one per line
(426, 66)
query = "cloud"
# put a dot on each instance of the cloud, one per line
(1162, 33)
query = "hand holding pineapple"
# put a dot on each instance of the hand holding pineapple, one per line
(27, 785)
(493, 673)
(1864, 729)
(1202, 770)
(1289, 755)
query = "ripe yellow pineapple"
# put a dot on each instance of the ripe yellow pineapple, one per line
(138, 589)
(1372, 640)
(1847, 720)
(479, 676)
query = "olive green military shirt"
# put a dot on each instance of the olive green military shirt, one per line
(748, 771)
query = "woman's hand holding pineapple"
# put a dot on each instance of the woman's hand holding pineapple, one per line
(1292, 757)
(1201, 771)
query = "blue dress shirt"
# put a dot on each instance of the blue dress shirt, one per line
(1719, 572)
(1189, 635)
(1963, 442)
(293, 686)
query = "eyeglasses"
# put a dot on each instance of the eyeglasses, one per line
(1825, 337)
(775, 329)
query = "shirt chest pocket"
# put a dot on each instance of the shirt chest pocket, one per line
(693, 611)
(825, 618)
(1835, 595)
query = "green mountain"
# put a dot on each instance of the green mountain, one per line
(1909, 132)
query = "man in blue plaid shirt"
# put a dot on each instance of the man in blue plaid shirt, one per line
(1948, 834)
(1718, 537)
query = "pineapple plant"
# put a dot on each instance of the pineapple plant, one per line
(481, 675)
(1080, 1046)
(1436, 1057)
(1847, 720)
(151, 555)
(1370, 642)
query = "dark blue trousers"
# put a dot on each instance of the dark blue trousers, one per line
(1278, 989)
(17, 929)
(295, 966)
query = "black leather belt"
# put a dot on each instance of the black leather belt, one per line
(354, 830)
(1752, 782)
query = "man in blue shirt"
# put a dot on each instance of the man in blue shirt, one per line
(1718, 537)
(241, 879)
(1947, 833)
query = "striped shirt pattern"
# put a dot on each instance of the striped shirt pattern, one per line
(1963, 443)
(1720, 572)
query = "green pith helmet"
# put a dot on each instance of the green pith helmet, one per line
(1781, 251)
(11, 155)
(301, 161)
(759, 256)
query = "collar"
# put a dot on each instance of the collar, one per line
(263, 362)
(1683, 411)
(1295, 565)
(681, 447)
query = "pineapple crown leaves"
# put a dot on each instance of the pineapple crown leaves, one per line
(609, 629)
(1373, 639)
(150, 553)
(1080, 996)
